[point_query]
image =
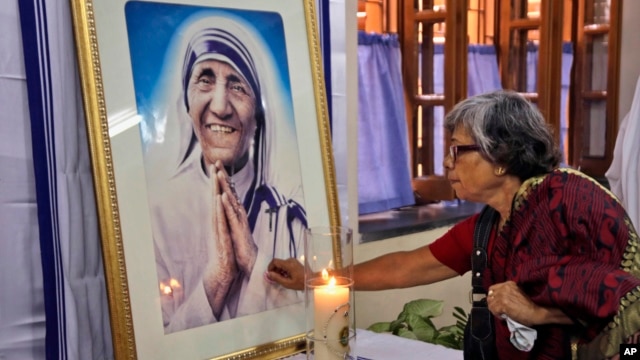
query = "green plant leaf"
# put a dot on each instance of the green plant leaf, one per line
(425, 308)
(460, 314)
(451, 329)
(414, 322)
(423, 329)
(380, 327)
(448, 340)
(396, 325)
(406, 333)
(461, 325)
(460, 311)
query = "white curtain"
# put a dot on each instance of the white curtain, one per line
(22, 324)
(54, 300)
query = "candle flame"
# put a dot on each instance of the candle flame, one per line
(325, 277)
(174, 283)
(167, 289)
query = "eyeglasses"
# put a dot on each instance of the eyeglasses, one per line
(455, 150)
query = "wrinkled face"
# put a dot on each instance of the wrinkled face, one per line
(222, 108)
(471, 175)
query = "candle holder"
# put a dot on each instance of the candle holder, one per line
(329, 295)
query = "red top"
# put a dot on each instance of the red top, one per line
(453, 249)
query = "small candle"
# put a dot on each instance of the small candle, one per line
(331, 316)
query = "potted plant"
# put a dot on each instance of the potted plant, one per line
(414, 322)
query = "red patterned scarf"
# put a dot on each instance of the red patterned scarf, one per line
(569, 244)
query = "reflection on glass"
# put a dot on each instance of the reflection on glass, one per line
(597, 56)
(595, 129)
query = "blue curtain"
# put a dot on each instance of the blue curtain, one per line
(532, 76)
(482, 76)
(482, 69)
(384, 173)
(567, 64)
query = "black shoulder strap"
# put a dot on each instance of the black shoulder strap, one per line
(481, 235)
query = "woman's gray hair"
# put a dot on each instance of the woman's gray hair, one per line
(510, 131)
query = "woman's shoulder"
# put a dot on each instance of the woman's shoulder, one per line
(575, 181)
(567, 179)
(564, 188)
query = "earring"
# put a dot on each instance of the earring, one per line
(500, 171)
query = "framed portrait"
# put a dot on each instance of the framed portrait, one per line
(211, 153)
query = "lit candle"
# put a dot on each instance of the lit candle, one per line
(331, 316)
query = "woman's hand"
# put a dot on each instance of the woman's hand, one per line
(288, 273)
(508, 299)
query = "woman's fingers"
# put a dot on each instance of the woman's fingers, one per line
(288, 273)
(507, 299)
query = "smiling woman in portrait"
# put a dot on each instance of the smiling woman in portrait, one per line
(225, 188)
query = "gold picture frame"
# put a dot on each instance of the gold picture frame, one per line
(112, 108)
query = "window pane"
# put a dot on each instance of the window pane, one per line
(595, 128)
(523, 61)
(523, 9)
(597, 60)
(431, 140)
(430, 64)
(599, 14)
(435, 5)
(425, 139)
(439, 140)
(479, 14)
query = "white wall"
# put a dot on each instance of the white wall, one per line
(375, 306)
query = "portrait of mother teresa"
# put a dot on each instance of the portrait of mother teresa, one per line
(225, 189)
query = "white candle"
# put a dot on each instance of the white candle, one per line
(331, 319)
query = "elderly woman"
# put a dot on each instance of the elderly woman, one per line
(225, 186)
(562, 257)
